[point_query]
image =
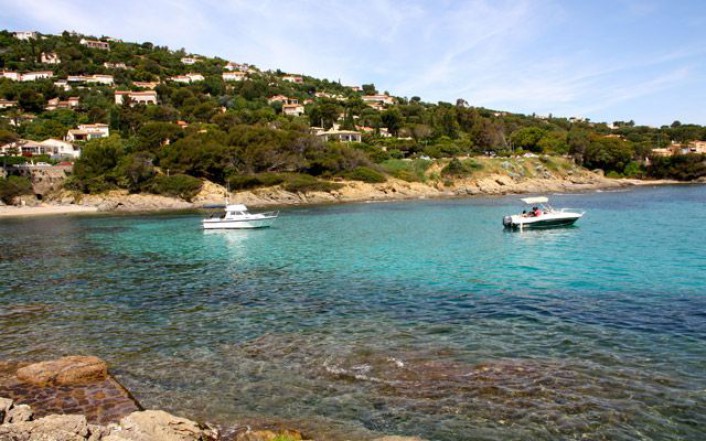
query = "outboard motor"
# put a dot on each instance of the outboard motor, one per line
(507, 221)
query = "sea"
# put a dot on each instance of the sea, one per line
(418, 318)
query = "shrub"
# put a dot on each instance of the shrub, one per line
(410, 171)
(245, 182)
(14, 186)
(365, 174)
(91, 185)
(457, 168)
(307, 183)
(182, 186)
(681, 167)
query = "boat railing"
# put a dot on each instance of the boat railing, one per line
(270, 213)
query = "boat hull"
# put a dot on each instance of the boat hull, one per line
(231, 224)
(546, 221)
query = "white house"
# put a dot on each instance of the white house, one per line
(144, 97)
(95, 44)
(21, 147)
(231, 66)
(281, 98)
(100, 79)
(60, 149)
(146, 84)
(25, 35)
(109, 65)
(195, 77)
(293, 79)
(339, 135)
(189, 60)
(15, 76)
(293, 109)
(62, 84)
(188, 78)
(6, 104)
(70, 103)
(381, 99)
(86, 132)
(233, 76)
(50, 58)
(33, 76)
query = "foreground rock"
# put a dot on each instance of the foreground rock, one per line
(148, 425)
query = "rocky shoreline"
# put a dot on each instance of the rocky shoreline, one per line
(494, 184)
(75, 398)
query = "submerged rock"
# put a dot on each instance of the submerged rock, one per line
(75, 385)
(65, 371)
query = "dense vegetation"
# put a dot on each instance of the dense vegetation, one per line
(235, 136)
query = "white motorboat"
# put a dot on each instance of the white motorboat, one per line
(542, 215)
(237, 216)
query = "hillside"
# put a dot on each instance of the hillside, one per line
(147, 119)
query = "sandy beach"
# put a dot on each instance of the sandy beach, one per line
(44, 209)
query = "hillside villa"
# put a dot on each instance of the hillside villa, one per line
(143, 97)
(233, 76)
(187, 78)
(677, 149)
(55, 148)
(25, 35)
(70, 103)
(293, 79)
(50, 58)
(95, 44)
(86, 132)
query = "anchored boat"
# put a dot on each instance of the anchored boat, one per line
(237, 216)
(541, 215)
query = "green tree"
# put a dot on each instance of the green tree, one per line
(134, 171)
(14, 186)
(95, 170)
(392, 119)
(528, 138)
(608, 154)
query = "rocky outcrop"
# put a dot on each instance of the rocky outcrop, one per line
(52, 427)
(157, 425)
(150, 425)
(517, 176)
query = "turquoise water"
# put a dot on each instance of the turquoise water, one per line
(416, 318)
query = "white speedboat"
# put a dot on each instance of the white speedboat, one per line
(542, 215)
(237, 216)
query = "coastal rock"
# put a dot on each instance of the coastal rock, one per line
(51, 427)
(157, 425)
(65, 371)
(19, 413)
(399, 438)
(5, 406)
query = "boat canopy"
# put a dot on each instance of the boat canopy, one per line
(236, 207)
(536, 200)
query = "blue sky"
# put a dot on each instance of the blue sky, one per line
(606, 60)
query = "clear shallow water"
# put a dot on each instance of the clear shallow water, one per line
(419, 318)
